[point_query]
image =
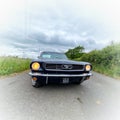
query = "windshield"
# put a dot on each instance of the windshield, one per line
(52, 55)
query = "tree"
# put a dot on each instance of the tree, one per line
(75, 52)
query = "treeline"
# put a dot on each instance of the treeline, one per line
(106, 61)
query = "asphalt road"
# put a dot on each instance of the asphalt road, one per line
(95, 99)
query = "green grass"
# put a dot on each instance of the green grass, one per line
(105, 61)
(9, 65)
(112, 72)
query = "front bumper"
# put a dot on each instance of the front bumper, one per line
(60, 75)
(58, 78)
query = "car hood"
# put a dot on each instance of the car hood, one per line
(62, 61)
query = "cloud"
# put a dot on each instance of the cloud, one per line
(58, 25)
(54, 40)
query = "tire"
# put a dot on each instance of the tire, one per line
(36, 85)
(78, 82)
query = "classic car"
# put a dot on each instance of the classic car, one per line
(54, 67)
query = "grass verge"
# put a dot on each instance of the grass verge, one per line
(10, 65)
(113, 72)
(105, 61)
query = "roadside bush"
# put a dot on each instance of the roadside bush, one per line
(105, 61)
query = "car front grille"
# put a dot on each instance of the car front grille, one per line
(64, 67)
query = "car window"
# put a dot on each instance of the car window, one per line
(50, 55)
(46, 56)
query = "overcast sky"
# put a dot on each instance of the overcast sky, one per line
(28, 26)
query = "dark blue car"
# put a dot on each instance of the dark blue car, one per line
(54, 67)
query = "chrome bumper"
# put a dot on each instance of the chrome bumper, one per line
(60, 75)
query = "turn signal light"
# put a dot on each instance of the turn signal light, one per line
(88, 67)
(34, 78)
(35, 66)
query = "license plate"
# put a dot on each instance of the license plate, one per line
(65, 80)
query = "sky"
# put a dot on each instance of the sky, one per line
(30, 26)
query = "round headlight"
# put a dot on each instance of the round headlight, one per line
(88, 67)
(35, 66)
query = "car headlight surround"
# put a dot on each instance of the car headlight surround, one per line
(35, 66)
(88, 67)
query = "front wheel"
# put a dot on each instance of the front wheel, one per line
(36, 84)
(78, 82)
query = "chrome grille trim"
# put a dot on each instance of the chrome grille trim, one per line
(60, 75)
(59, 67)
